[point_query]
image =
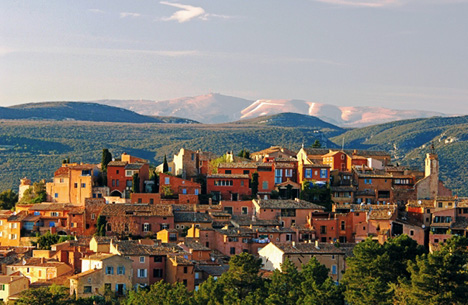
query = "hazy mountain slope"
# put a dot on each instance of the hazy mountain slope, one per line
(209, 108)
(288, 119)
(217, 108)
(75, 111)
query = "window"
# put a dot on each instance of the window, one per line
(151, 201)
(56, 195)
(367, 181)
(308, 173)
(109, 270)
(323, 173)
(228, 171)
(13, 225)
(142, 259)
(439, 204)
(83, 185)
(167, 180)
(228, 210)
(158, 259)
(245, 210)
(117, 182)
(75, 185)
(288, 237)
(246, 172)
(93, 216)
(87, 289)
(242, 183)
(54, 214)
(192, 156)
(113, 182)
(184, 282)
(157, 273)
(232, 251)
(323, 229)
(265, 185)
(343, 225)
(142, 273)
(411, 232)
(333, 269)
(196, 191)
(120, 270)
(288, 172)
(146, 227)
(184, 191)
(2, 287)
(13, 236)
(185, 269)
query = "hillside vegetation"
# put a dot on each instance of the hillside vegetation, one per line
(36, 148)
(409, 141)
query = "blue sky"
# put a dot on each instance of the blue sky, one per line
(404, 54)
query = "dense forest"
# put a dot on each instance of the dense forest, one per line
(397, 272)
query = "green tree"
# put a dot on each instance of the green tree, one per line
(160, 293)
(254, 184)
(165, 165)
(44, 295)
(244, 153)
(101, 225)
(438, 278)
(215, 163)
(35, 193)
(374, 268)
(106, 158)
(8, 199)
(242, 278)
(317, 286)
(210, 292)
(317, 144)
(285, 285)
(319, 194)
(135, 183)
(44, 242)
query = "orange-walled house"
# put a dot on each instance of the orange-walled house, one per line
(289, 212)
(313, 172)
(180, 269)
(373, 186)
(337, 160)
(151, 198)
(238, 208)
(120, 176)
(332, 227)
(232, 187)
(72, 183)
(178, 186)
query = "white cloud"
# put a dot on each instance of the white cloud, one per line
(128, 14)
(5, 51)
(363, 3)
(186, 13)
(96, 11)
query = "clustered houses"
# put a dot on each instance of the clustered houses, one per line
(184, 224)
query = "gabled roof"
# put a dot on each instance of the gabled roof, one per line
(134, 248)
(228, 176)
(134, 166)
(192, 217)
(309, 248)
(274, 149)
(117, 163)
(137, 210)
(286, 204)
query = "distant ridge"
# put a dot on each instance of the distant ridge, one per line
(78, 111)
(289, 119)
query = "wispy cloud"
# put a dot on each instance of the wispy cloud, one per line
(5, 51)
(128, 14)
(363, 3)
(186, 13)
(96, 11)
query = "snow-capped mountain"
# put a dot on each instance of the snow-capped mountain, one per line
(217, 108)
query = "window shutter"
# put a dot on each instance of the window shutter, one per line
(123, 270)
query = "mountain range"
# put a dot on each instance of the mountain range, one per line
(216, 108)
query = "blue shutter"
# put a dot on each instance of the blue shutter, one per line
(123, 270)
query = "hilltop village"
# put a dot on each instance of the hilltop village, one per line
(126, 224)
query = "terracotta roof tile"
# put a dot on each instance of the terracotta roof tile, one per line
(286, 204)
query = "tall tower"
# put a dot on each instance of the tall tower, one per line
(24, 185)
(432, 174)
